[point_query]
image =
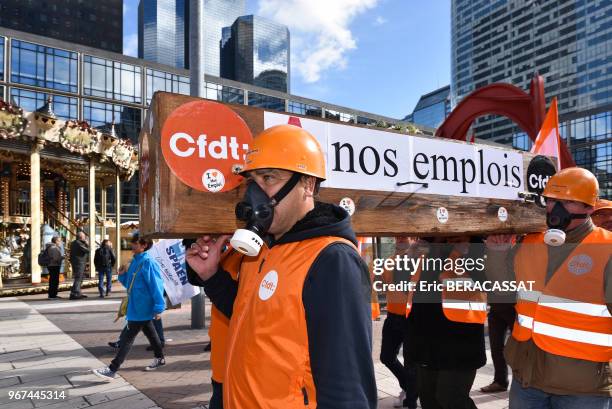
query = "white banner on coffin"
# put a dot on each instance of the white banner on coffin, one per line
(372, 159)
(170, 254)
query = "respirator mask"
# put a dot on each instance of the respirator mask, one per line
(558, 220)
(257, 210)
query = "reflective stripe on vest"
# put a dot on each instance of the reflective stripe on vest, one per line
(568, 315)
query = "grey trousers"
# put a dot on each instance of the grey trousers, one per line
(77, 274)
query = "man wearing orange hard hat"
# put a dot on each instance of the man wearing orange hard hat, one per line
(300, 333)
(561, 344)
(602, 215)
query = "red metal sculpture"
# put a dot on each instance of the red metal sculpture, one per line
(527, 110)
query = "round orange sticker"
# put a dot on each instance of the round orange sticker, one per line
(202, 141)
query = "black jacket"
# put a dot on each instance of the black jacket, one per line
(79, 252)
(104, 258)
(433, 340)
(336, 297)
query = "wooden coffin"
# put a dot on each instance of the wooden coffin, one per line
(171, 208)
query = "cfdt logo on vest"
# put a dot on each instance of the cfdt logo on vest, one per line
(202, 141)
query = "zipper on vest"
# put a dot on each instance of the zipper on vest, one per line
(305, 393)
(230, 351)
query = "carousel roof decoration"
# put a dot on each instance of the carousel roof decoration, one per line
(79, 137)
(12, 121)
(43, 125)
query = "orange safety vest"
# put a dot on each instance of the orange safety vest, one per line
(268, 361)
(397, 302)
(219, 323)
(458, 306)
(567, 315)
(366, 252)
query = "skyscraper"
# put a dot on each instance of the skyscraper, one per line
(96, 24)
(568, 42)
(257, 52)
(163, 30)
(432, 108)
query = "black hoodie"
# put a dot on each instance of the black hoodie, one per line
(336, 297)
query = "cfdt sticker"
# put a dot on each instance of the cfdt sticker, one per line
(442, 215)
(268, 285)
(348, 205)
(213, 180)
(502, 214)
(580, 264)
(202, 142)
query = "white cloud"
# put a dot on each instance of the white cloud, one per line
(126, 8)
(130, 45)
(380, 20)
(320, 33)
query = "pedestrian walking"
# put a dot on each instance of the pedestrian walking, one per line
(145, 304)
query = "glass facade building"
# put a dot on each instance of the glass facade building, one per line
(432, 108)
(257, 52)
(163, 31)
(568, 42)
(104, 87)
(97, 24)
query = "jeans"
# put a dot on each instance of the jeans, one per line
(108, 272)
(446, 389)
(132, 329)
(54, 273)
(216, 400)
(158, 328)
(393, 334)
(532, 398)
(77, 274)
(501, 319)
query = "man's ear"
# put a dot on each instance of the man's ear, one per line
(309, 185)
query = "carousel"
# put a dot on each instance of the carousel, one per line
(44, 162)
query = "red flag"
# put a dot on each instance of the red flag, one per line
(548, 141)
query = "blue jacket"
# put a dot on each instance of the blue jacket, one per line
(147, 296)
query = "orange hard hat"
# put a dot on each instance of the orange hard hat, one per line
(602, 204)
(286, 147)
(576, 184)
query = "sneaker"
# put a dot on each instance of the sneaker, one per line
(157, 362)
(105, 373)
(493, 388)
(399, 401)
(114, 345)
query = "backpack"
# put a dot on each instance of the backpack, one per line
(43, 258)
(98, 259)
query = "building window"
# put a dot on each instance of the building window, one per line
(63, 106)
(2, 40)
(33, 64)
(362, 120)
(304, 109)
(2, 92)
(339, 116)
(266, 102)
(224, 93)
(165, 81)
(127, 119)
(127, 124)
(112, 79)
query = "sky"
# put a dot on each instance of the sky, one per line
(377, 56)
